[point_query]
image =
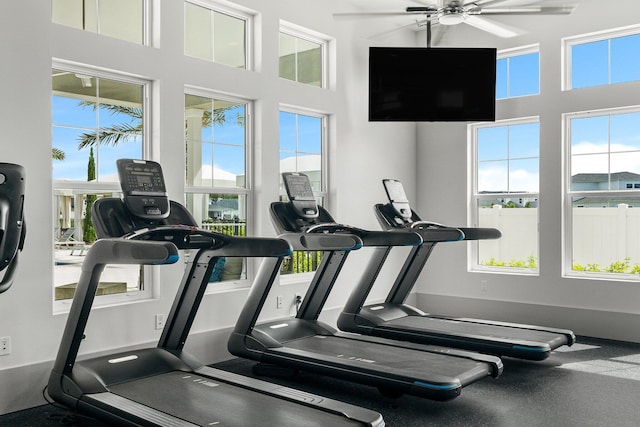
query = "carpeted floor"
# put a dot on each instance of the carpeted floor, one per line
(594, 383)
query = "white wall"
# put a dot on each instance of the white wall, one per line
(361, 154)
(442, 157)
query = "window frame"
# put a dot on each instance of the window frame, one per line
(151, 273)
(569, 194)
(313, 37)
(243, 14)
(246, 191)
(473, 249)
(287, 279)
(514, 52)
(569, 42)
(324, 125)
(148, 12)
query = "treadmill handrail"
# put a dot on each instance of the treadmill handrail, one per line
(368, 237)
(190, 237)
(383, 211)
(121, 251)
(101, 253)
(12, 224)
(322, 241)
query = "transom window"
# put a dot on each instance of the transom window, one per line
(96, 119)
(302, 57)
(518, 72)
(602, 185)
(603, 58)
(506, 186)
(122, 19)
(215, 35)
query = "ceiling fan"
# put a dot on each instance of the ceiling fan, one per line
(471, 12)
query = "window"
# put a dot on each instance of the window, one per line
(122, 19)
(506, 185)
(215, 35)
(518, 72)
(603, 58)
(302, 57)
(217, 189)
(302, 142)
(603, 172)
(96, 119)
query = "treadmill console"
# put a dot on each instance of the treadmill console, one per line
(397, 198)
(298, 187)
(144, 192)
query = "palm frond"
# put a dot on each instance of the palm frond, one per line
(57, 154)
(113, 135)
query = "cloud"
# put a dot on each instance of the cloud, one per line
(594, 157)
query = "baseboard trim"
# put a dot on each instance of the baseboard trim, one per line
(585, 322)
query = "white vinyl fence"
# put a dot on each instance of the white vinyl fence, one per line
(601, 236)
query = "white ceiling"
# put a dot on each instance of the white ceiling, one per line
(388, 24)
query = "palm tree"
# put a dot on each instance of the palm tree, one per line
(123, 132)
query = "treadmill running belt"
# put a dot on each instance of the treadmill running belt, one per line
(205, 401)
(479, 331)
(420, 365)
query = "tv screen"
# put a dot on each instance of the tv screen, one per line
(432, 84)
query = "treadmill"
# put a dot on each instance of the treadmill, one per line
(166, 386)
(303, 343)
(12, 226)
(396, 320)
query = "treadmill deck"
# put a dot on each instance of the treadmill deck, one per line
(204, 401)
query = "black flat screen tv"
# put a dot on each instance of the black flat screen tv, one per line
(432, 84)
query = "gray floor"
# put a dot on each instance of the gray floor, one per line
(594, 383)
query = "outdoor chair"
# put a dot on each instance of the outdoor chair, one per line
(67, 241)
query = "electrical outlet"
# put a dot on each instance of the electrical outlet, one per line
(279, 301)
(5, 346)
(483, 286)
(159, 321)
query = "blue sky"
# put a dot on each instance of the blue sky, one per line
(507, 155)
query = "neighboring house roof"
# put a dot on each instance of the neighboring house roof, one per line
(308, 163)
(604, 177)
(224, 204)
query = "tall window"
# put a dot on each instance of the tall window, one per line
(302, 57)
(302, 142)
(96, 119)
(518, 72)
(212, 35)
(603, 184)
(603, 58)
(506, 186)
(217, 190)
(122, 19)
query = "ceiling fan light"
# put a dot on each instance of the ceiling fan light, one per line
(450, 18)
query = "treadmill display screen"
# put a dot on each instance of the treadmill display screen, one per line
(140, 176)
(395, 190)
(298, 187)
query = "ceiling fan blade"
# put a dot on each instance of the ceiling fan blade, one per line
(372, 14)
(484, 3)
(426, 10)
(527, 10)
(498, 29)
(383, 34)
